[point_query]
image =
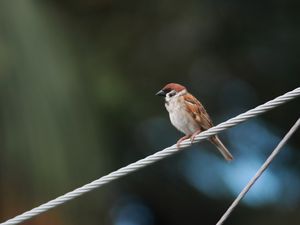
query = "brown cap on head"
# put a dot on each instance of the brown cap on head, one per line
(173, 86)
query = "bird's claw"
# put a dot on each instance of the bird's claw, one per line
(194, 135)
(181, 140)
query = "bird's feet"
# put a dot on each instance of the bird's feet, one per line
(182, 139)
(194, 135)
(191, 136)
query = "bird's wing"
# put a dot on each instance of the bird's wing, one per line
(199, 113)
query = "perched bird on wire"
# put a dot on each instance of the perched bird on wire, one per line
(188, 115)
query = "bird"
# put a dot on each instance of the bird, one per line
(189, 116)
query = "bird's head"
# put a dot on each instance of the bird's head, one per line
(171, 90)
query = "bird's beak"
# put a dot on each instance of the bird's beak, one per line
(161, 93)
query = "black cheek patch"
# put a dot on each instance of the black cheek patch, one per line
(172, 94)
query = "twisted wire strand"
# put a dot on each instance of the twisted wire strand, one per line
(259, 173)
(152, 158)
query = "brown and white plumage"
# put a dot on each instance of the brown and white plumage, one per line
(188, 115)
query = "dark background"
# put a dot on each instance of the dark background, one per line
(77, 85)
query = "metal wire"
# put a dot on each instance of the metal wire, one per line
(152, 158)
(259, 172)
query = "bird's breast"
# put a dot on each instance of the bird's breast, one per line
(180, 118)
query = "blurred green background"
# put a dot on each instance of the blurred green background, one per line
(77, 85)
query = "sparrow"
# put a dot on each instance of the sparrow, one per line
(189, 116)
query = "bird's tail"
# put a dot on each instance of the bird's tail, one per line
(221, 147)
